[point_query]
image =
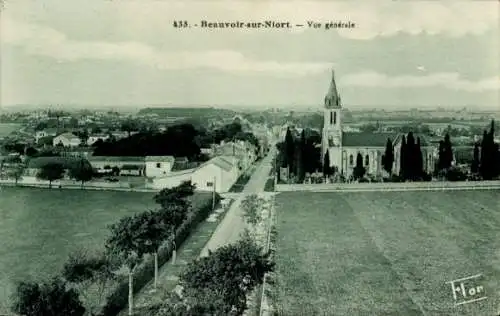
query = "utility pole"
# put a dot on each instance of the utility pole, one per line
(213, 195)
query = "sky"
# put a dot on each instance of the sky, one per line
(419, 54)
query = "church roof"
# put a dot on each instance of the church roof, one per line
(332, 98)
(423, 140)
(366, 139)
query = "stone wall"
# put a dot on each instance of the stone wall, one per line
(389, 186)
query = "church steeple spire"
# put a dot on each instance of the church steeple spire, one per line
(332, 98)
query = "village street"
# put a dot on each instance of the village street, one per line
(233, 224)
(228, 231)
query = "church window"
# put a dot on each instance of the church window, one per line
(334, 118)
(331, 118)
(367, 160)
(351, 160)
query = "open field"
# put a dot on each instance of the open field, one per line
(7, 128)
(386, 253)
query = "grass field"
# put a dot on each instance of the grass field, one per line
(386, 253)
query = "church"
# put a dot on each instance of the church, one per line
(343, 147)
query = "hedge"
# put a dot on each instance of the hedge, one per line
(144, 273)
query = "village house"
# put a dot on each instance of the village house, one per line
(48, 132)
(158, 166)
(66, 139)
(219, 174)
(242, 150)
(95, 137)
(126, 165)
(76, 152)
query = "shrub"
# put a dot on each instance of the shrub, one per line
(144, 273)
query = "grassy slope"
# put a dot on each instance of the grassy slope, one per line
(386, 253)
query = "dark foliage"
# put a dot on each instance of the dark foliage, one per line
(145, 272)
(50, 172)
(359, 170)
(175, 195)
(47, 299)
(222, 279)
(388, 157)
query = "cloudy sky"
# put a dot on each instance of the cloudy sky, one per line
(103, 52)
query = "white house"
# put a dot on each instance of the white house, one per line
(104, 164)
(66, 139)
(159, 166)
(218, 171)
(95, 137)
(46, 132)
(171, 180)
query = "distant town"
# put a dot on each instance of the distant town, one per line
(109, 140)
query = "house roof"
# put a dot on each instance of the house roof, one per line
(170, 159)
(364, 139)
(49, 131)
(68, 135)
(116, 158)
(66, 162)
(78, 149)
(423, 139)
(220, 162)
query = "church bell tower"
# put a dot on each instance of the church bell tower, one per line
(332, 128)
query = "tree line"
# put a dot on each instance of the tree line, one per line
(181, 140)
(209, 287)
(299, 155)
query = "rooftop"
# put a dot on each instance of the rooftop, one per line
(364, 139)
(116, 158)
(170, 159)
(220, 162)
(66, 162)
(68, 135)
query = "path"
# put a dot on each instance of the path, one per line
(233, 224)
(228, 231)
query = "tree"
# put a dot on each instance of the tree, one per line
(47, 299)
(129, 126)
(82, 172)
(388, 158)
(301, 157)
(96, 130)
(84, 136)
(474, 168)
(83, 269)
(402, 158)
(448, 152)
(173, 215)
(128, 243)
(359, 171)
(410, 157)
(31, 152)
(489, 167)
(16, 173)
(327, 170)
(419, 161)
(159, 226)
(175, 195)
(251, 206)
(484, 167)
(289, 150)
(227, 274)
(50, 172)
